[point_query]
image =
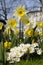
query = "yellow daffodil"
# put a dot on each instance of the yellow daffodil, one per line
(16, 31)
(20, 11)
(29, 32)
(12, 23)
(40, 24)
(7, 45)
(25, 19)
(1, 25)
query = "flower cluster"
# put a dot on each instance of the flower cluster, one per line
(18, 30)
(18, 51)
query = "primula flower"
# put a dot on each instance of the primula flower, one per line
(1, 25)
(17, 59)
(39, 51)
(31, 50)
(35, 45)
(12, 23)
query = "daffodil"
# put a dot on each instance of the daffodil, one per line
(7, 45)
(20, 11)
(16, 31)
(12, 23)
(1, 25)
(25, 19)
(29, 32)
(40, 24)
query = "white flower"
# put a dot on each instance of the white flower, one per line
(14, 60)
(8, 57)
(13, 49)
(34, 45)
(17, 59)
(11, 61)
(22, 45)
(31, 50)
(27, 45)
(20, 54)
(39, 51)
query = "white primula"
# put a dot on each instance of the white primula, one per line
(18, 51)
(34, 45)
(31, 50)
(22, 45)
(20, 54)
(39, 51)
(8, 57)
(27, 45)
(17, 59)
(13, 49)
(14, 60)
(11, 61)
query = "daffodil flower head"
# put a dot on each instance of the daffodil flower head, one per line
(16, 31)
(29, 32)
(20, 11)
(25, 19)
(11, 23)
(7, 45)
(40, 24)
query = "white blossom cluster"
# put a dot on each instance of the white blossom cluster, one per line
(18, 51)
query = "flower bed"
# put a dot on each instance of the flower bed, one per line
(21, 36)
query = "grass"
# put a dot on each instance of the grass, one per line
(32, 61)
